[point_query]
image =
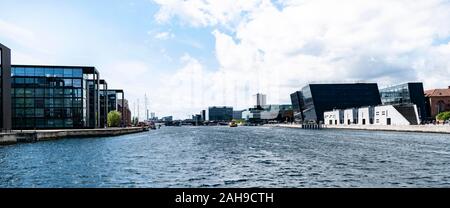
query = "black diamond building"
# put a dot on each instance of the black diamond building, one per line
(314, 99)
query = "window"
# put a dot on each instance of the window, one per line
(39, 72)
(29, 72)
(49, 72)
(77, 83)
(78, 73)
(67, 72)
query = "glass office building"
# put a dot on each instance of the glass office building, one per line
(407, 93)
(220, 113)
(54, 97)
(110, 99)
(5, 87)
(315, 99)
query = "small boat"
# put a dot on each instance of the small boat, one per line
(233, 124)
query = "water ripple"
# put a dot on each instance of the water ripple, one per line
(238, 157)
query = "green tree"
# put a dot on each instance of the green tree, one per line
(443, 116)
(114, 118)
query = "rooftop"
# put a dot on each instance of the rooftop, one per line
(438, 93)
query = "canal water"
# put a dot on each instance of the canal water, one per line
(232, 157)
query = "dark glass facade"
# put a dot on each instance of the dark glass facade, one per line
(51, 97)
(220, 113)
(111, 100)
(297, 103)
(5, 87)
(407, 93)
(315, 99)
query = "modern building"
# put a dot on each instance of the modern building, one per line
(54, 97)
(334, 117)
(124, 108)
(315, 99)
(5, 91)
(237, 115)
(351, 116)
(113, 97)
(103, 104)
(261, 99)
(203, 114)
(407, 93)
(297, 103)
(404, 114)
(220, 113)
(437, 101)
(366, 115)
(264, 114)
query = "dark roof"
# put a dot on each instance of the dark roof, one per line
(86, 69)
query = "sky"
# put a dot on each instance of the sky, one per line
(186, 55)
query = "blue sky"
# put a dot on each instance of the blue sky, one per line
(188, 55)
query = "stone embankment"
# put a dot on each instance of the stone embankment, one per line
(442, 129)
(45, 135)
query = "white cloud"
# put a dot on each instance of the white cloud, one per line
(204, 12)
(164, 36)
(277, 51)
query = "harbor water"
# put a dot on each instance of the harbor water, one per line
(232, 157)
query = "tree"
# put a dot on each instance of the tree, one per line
(114, 118)
(444, 116)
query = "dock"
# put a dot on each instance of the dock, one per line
(28, 136)
(440, 129)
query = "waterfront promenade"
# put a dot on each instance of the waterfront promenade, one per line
(443, 129)
(18, 136)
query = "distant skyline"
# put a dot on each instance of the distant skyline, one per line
(187, 55)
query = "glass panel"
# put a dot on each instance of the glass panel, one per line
(67, 72)
(78, 73)
(49, 72)
(39, 71)
(29, 72)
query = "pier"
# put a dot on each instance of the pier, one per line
(28, 136)
(441, 129)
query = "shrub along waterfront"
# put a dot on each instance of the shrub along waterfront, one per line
(114, 118)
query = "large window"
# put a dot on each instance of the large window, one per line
(46, 97)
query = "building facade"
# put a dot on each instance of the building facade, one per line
(237, 115)
(5, 83)
(316, 99)
(438, 101)
(351, 116)
(220, 113)
(124, 108)
(407, 93)
(405, 114)
(263, 114)
(53, 97)
(261, 99)
(366, 115)
(334, 117)
(297, 103)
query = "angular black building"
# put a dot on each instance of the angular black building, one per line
(314, 99)
(5, 83)
(407, 93)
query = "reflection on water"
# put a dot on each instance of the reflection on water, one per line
(232, 157)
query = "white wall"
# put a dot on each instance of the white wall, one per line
(366, 114)
(382, 113)
(330, 117)
(352, 115)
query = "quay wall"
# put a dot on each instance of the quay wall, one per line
(45, 135)
(443, 129)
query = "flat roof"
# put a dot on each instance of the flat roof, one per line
(86, 69)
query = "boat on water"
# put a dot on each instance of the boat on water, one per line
(233, 124)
